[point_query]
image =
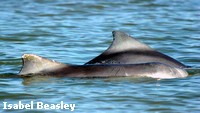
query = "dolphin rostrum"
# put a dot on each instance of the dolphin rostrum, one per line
(127, 50)
(36, 65)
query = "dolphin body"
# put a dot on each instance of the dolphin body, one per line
(36, 65)
(127, 50)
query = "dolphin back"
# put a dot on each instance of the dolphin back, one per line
(36, 65)
(127, 50)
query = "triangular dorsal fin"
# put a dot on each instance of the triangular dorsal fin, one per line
(33, 64)
(124, 42)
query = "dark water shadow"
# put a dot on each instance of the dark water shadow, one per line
(193, 71)
(9, 75)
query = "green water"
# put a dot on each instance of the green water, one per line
(77, 31)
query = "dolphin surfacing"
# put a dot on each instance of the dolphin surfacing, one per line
(127, 50)
(36, 65)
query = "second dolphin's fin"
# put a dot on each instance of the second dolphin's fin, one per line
(124, 42)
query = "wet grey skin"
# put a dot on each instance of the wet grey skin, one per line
(127, 50)
(34, 65)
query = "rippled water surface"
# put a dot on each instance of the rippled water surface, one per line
(75, 31)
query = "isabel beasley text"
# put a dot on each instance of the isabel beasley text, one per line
(38, 105)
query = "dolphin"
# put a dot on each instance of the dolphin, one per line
(36, 65)
(127, 50)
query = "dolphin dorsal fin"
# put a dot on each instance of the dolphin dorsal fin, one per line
(124, 42)
(35, 64)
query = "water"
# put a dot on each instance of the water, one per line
(76, 31)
